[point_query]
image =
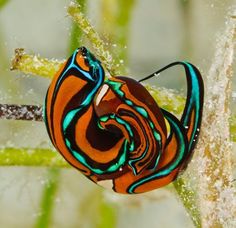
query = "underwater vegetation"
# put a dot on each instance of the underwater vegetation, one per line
(206, 189)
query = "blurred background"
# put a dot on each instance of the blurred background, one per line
(145, 35)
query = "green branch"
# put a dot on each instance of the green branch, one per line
(34, 64)
(31, 157)
(117, 14)
(74, 10)
(76, 32)
(3, 3)
(48, 197)
(188, 198)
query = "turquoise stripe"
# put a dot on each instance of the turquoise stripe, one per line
(112, 168)
(117, 88)
(72, 65)
(174, 165)
(194, 102)
(99, 78)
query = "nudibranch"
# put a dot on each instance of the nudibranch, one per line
(114, 132)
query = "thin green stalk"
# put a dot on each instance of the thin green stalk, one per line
(215, 150)
(93, 205)
(122, 25)
(49, 193)
(117, 14)
(76, 32)
(31, 157)
(187, 46)
(188, 198)
(74, 10)
(34, 64)
(232, 122)
(3, 3)
(107, 216)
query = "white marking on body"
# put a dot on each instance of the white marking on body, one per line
(101, 94)
(106, 184)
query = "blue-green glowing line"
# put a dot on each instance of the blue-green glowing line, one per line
(194, 102)
(174, 165)
(112, 168)
(97, 75)
(73, 65)
(71, 114)
(122, 122)
(117, 88)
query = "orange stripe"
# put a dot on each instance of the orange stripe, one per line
(158, 183)
(153, 118)
(150, 138)
(49, 98)
(169, 152)
(70, 87)
(123, 182)
(110, 103)
(81, 62)
(94, 154)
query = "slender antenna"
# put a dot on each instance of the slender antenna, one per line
(159, 71)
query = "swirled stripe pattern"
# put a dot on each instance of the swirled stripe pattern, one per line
(114, 132)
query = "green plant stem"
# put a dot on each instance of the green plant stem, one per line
(117, 14)
(215, 149)
(31, 157)
(107, 216)
(188, 198)
(3, 3)
(122, 24)
(93, 205)
(48, 196)
(187, 47)
(76, 32)
(232, 122)
(34, 64)
(74, 10)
